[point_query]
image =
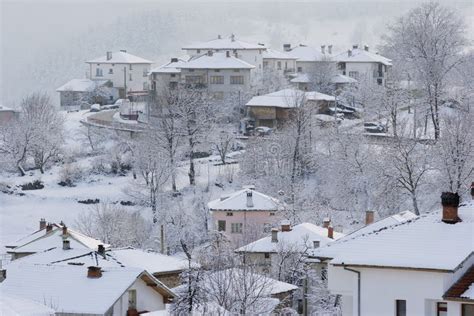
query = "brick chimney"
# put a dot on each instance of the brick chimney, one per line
(101, 250)
(285, 226)
(94, 272)
(330, 232)
(66, 244)
(450, 203)
(64, 230)
(274, 234)
(42, 223)
(369, 217)
(286, 47)
(326, 222)
(249, 198)
(109, 55)
(323, 49)
(49, 227)
(329, 49)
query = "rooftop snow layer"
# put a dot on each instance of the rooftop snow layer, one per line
(170, 67)
(216, 61)
(305, 78)
(81, 85)
(362, 56)
(68, 288)
(300, 237)
(275, 54)
(414, 243)
(17, 306)
(237, 201)
(120, 58)
(287, 98)
(308, 53)
(224, 43)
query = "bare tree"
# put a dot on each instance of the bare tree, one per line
(223, 142)
(429, 39)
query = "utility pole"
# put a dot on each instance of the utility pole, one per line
(125, 82)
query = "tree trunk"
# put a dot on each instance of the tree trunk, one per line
(415, 203)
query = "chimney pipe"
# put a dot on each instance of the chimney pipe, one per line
(366, 48)
(64, 230)
(330, 49)
(249, 199)
(326, 222)
(355, 46)
(472, 190)
(285, 226)
(274, 234)
(66, 244)
(349, 53)
(369, 217)
(101, 250)
(94, 272)
(49, 228)
(286, 47)
(330, 232)
(42, 223)
(450, 203)
(232, 38)
(316, 244)
(174, 60)
(219, 36)
(227, 54)
(109, 55)
(209, 53)
(323, 49)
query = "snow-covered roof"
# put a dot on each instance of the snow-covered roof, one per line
(414, 243)
(362, 56)
(237, 201)
(68, 289)
(308, 53)
(230, 42)
(286, 98)
(42, 240)
(120, 57)
(275, 54)
(463, 288)
(6, 109)
(300, 238)
(11, 305)
(170, 67)
(216, 61)
(81, 85)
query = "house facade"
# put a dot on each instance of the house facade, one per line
(82, 93)
(363, 65)
(128, 73)
(425, 264)
(245, 215)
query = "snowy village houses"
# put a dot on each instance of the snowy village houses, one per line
(425, 264)
(112, 76)
(245, 214)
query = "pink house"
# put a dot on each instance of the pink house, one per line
(245, 215)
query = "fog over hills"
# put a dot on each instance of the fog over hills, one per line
(45, 43)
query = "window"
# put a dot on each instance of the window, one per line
(217, 70)
(354, 74)
(145, 73)
(467, 310)
(173, 85)
(265, 64)
(217, 79)
(286, 65)
(221, 226)
(130, 77)
(272, 213)
(442, 309)
(173, 75)
(98, 72)
(194, 79)
(379, 81)
(198, 51)
(267, 255)
(111, 71)
(400, 308)
(300, 69)
(267, 227)
(191, 70)
(236, 228)
(131, 67)
(279, 65)
(218, 95)
(236, 79)
(229, 214)
(132, 299)
(236, 70)
(324, 273)
(145, 86)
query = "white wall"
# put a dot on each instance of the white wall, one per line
(147, 299)
(381, 287)
(117, 77)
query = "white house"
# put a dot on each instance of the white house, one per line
(362, 64)
(280, 62)
(298, 239)
(81, 93)
(127, 72)
(419, 266)
(167, 76)
(81, 290)
(307, 57)
(251, 53)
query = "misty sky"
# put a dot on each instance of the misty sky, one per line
(45, 43)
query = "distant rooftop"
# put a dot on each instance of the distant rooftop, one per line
(237, 201)
(287, 98)
(216, 61)
(230, 42)
(358, 55)
(120, 57)
(171, 67)
(81, 85)
(308, 53)
(275, 54)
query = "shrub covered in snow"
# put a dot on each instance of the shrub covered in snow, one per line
(69, 175)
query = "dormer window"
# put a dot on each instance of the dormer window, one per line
(230, 214)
